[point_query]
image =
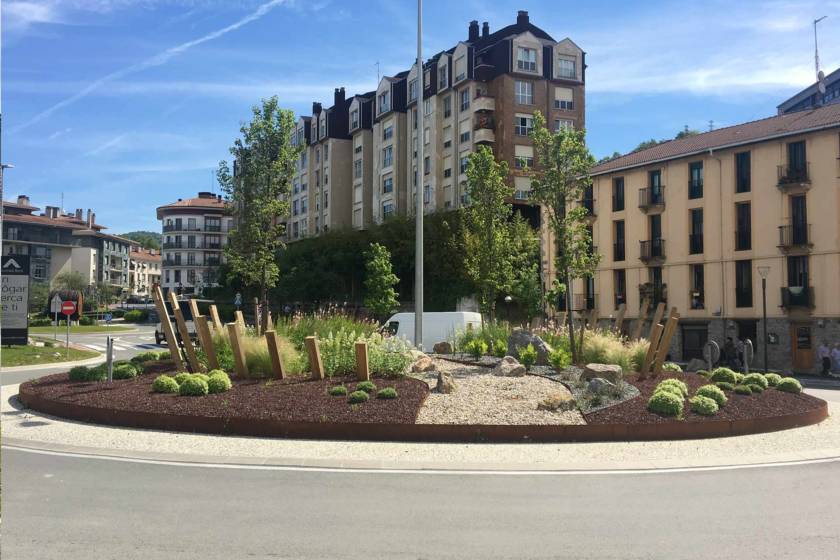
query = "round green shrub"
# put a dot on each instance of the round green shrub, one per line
(165, 384)
(98, 373)
(756, 379)
(124, 371)
(739, 378)
(387, 393)
(85, 321)
(357, 397)
(772, 379)
(723, 374)
(476, 348)
(703, 373)
(726, 386)
(218, 382)
(338, 391)
(703, 405)
(500, 348)
(713, 392)
(144, 357)
(193, 386)
(213, 372)
(789, 385)
(202, 376)
(182, 376)
(665, 403)
(163, 355)
(672, 367)
(528, 356)
(681, 387)
(755, 388)
(79, 373)
(366, 386)
(743, 389)
(559, 359)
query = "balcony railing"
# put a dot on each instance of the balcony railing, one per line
(798, 296)
(794, 175)
(176, 227)
(618, 251)
(650, 199)
(743, 239)
(695, 243)
(584, 302)
(652, 249)
(796, 235)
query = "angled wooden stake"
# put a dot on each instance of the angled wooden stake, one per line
(239, 361)
(651, 351)
(205, 339)
(665, 343)
(240, 321)
(194, 308)
(274, 353)
(362, 367)
(315, 363)
(217, 321)
(619, 319)
(168, 330)
(189, 349)
(657, 315)
(640, 322)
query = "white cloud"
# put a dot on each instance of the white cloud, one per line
(58, 134)
(20, 16)
(113, 142)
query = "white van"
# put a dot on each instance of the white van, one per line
(437, 327)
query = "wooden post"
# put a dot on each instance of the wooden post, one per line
(269, 322)
(315, 363)
(214, 314)
(651, 351)
(205, 338)
(640, 323)
(362, 367)
(665, 342)
(619, 319)
(168, 331)
(194, 308)
(274, 352)
(189, 349)
(257, 321)
(657, 315)
(238, 352)
(240, 320)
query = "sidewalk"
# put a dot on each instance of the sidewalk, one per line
(89, 362)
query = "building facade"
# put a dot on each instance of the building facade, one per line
(811, 97)
(144, 270)
(195, 233)
(698, 223)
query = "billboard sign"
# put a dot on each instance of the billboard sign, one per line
(14, 321)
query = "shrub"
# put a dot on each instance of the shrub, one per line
(665, 403)
(672, 367)
(193, 386)
(218, 382)
(743, 389)
(213, 372)
(79, 373)
(144, 357)
(756, 379)
(559, 359)
(703, 405)
(789, 385)
(40, 322)
(500, 348)
(724, 385)
(772, 379)
(203, 376)
(681, 387)
(476, 348)
(86, 321)
(491, 333)
(98, 373)
(755, 388)
(703, 373)
(366, 386)
(165, 384)
(125, 371)
(712, 392)
(670, 389)
(297, 327)
(181, 377)
(163, 355)
(528, 356)
(136, 316)
(389, 357)
(723, 374)
(739, 378)
(387, 393)
(357, 397)
(338, 391)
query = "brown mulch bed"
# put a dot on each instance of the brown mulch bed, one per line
(294, 399)
(739, 407)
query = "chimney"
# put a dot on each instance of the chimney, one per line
(79, 214)
(92, 219)
(51, 212)
(485, 29)
(473, 33)
(316, 108)
(88, 220)
(338, 98)
(522, 17)
(23, 200)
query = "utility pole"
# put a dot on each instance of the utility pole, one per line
(419, 191)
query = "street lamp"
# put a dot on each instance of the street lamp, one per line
(419, 190)
(763, 271)
(508, 299)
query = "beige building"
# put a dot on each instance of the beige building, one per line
(144, 270)
(698, 222)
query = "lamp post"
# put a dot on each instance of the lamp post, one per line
(419, 190)
(508, 299)
(764, 271)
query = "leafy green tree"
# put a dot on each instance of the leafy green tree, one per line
(146, 239)
(70, 280)
(610, 158)
(488, 214)
(39, 296)
(526, 290)
(381, 297)
(559, 181)
(265, 163)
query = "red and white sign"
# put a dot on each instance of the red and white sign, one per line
(68, 307)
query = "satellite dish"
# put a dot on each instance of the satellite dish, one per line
(821, 82)
(820, 76)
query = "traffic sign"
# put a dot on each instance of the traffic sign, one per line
(55, 304)
(68, 307)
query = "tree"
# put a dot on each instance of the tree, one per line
(488, 215)
(70, 280)
(146, 239)
(526, 289)
(380, 295)
(609, 158)
(686, 132)
(39, 297)
(560, 179)
(264, 160)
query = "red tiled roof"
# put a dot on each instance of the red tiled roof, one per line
(47, 221)
(144, 255)
(755, 131)
(198, 202)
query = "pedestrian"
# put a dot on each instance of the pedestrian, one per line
(824, 355)
(836, 355)
(740, 348)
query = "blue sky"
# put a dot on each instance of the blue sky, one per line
(123, 105)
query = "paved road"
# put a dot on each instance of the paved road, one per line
(66, 508)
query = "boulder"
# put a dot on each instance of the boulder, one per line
(423, 364)
(442, 348)
(599, 386)
(509, 367)
(445, 383)
(611, 372)
(696, 364)
(520, 338)
(558, 402)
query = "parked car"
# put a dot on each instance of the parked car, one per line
(160, 336)
(437, 326)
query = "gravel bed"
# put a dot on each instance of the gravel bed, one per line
(570, 377)
(483, 398)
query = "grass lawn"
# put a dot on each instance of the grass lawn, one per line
(78, 329)
(29, 355)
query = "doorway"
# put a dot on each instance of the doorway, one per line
(801, 339)
(694, 338)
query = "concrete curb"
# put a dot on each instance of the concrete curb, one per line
(89, 362)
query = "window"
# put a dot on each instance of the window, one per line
(387, 185)
(522, 125)
(447, 136)
(618, 236)
(427, 165)
(447, 106)
(743, 225)
(742, 172)
(39, 270)
(191, 224)
(442, 83)
(354, 119)
(303, 206)
(564, 98)
(387, 209)
(695, 236)
(357, 169)
(743, 284)
(695, 180)
(524, 92)
(697, 284)
(566, 68)
(460, 68)
(303, 187)
(326, 152)
(523, 162)
(317, 178)
(620, 287)
(412, 90)
(526, 59)
(387, 156)
(427, 194)
(465, 99)
(414, 118)
(387, 132)
(191, 241)
(426, 133)
(427, 107)
(384, 102)
(294, 208)
(323, 127)
(465, 136)
(447, 172)
(618, 194)
(464, 160)
(295, 230)
(295, 188)
(326, 200)
(317, 155)
(563, 124)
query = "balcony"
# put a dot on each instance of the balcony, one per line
(798, 297)
(484, 102)
(652, 250)
(176, 227)
(618, 251)
(588, 204)
(695, 243)
(652, 201)
(584, 302)
(743, 239)
(796, 237)
(213, 229)
(794, 178)
(483, 128)
(484, 136)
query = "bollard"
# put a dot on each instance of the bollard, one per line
(362, 365)
(315, 363)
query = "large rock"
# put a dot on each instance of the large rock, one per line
(509, 367)
(442, 348)
(600, 386)
(611, 372)
(423, 364)
(520, 338)
(445, 383)
(696, 364)
(558, 402)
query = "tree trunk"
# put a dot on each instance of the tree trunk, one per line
(570, 318)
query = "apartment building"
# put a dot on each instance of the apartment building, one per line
(700, 222)
(144, 270)
(811, 97)
(484, 90)
(195, 233)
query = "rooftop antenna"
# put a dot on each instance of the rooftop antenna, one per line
(711, 125)
(62, 202)
(377, 73)
(820, 73)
